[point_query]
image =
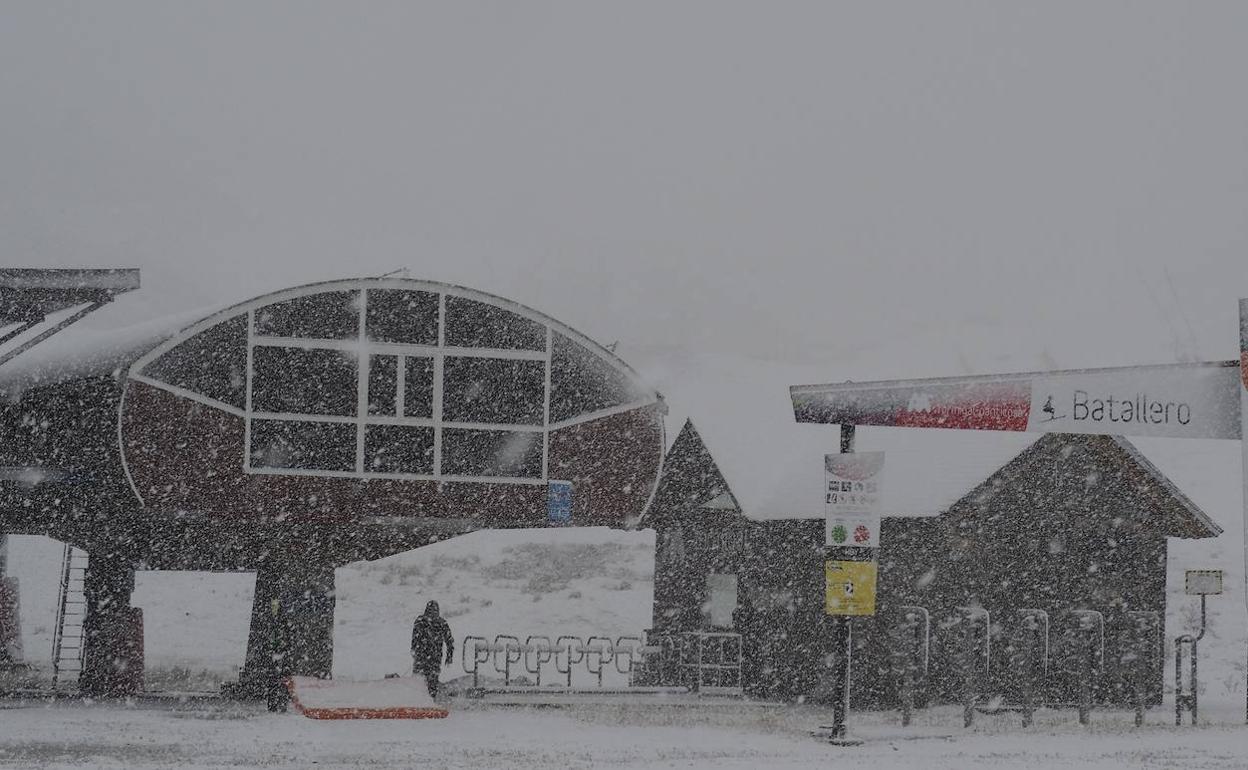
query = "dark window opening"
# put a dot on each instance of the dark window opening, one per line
(493, 390)
(418, 387)
(213, 363)
(467, 452)
(383, 384)
(582, 382)
(303, 381)
(330, 315)
(398, 449)
(284, 444)
(472, 324)
(406, 317)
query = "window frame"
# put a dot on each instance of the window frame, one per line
(364, 348)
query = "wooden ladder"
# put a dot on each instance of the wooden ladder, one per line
(71, 612)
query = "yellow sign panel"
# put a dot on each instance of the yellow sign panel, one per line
(849, 587)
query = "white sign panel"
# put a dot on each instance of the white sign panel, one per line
(1202, 582)
(1187, 401)
(852, 499)
(1175, 400)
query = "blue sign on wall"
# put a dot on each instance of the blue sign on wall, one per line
(559, 502)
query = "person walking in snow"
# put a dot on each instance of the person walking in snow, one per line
(430, 633)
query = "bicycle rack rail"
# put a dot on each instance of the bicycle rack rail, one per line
(1090, 624)
(1029, 647)
(912, 637)
(628, 649)
(1143, 654)
(600, 649)
(564, 645)
(705, 662)
(976, 654)
(508, 660)
(1187, 699)
(537, 650)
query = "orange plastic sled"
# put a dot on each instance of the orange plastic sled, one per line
(323, 690)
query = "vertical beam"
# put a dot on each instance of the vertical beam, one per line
(295, 636)
(112, 663)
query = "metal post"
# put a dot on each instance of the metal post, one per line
(842, 634)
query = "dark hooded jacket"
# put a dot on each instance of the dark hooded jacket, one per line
(430, 633)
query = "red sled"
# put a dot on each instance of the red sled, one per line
(397, 698)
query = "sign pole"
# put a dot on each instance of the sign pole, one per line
(1243, 442)
(852, 506)
(844, 631)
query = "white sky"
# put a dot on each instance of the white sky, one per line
(775, 179)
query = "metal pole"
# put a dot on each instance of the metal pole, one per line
(842, 632)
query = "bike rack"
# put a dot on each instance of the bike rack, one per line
(1143, 653)
(628, 649)
(480, 645)
(912, 638)
(973, 648)
(1091, 625)
(539, 648)
(564, 645)
(1187, 699)
(1033, 632)
(512, 645)
(600, 647)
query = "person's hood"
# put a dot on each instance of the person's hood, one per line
(431, 609)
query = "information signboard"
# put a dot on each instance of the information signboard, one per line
(852, 504)
(849, 587)
(853, 486)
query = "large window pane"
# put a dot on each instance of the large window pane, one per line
(303, 381)
(493, 390)
(213, 363)
(330, 315)
(491, 453)
(472, 324)
(408, 317)
(398, 449)
(418, 387)
(582, 382)
(327, 446)
(382, 384)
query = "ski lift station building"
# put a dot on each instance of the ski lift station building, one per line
(309, 428)
(312, 427)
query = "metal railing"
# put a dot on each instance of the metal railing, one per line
(627, 655)
(711, 662)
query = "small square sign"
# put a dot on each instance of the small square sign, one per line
(558, 503)
(1203, 582)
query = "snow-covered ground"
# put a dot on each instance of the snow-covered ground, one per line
(575, 581)
(624, 736)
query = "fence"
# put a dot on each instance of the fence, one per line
(704, 663)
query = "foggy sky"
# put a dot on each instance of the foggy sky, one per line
(782, 180)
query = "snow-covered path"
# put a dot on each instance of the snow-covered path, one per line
(625, 736)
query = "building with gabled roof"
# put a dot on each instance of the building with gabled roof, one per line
(1068, 523)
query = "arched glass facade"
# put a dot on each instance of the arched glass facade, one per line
(394, 379)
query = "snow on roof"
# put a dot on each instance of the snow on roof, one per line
(774, 465)
(98, 345)
(1207, 471)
